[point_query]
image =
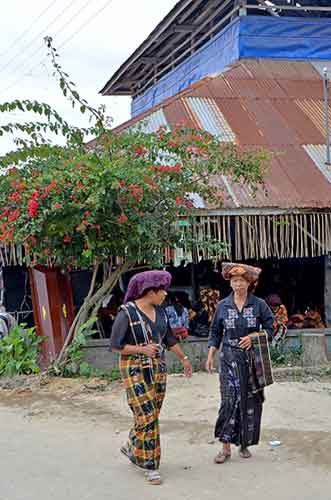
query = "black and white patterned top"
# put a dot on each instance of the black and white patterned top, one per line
(230, 324)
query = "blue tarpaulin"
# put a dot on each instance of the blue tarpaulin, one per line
(285, 38)
(246, 37)
(210, 59)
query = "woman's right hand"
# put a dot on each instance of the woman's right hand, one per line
(210, 364)
(150, 350)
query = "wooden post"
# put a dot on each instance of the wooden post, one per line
(53, 308)
(327, 290)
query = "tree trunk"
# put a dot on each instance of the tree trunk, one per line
(91, 304)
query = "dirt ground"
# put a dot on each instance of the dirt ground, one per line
(60, 439)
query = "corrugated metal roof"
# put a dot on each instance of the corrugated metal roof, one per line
(314, 110)
(318, 154)
(272, 69)
(210, 118)
(151, 123)
(255, 103)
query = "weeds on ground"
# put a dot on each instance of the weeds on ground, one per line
(19, 351)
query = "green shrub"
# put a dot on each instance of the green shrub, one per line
(286, 356)
(19, 351)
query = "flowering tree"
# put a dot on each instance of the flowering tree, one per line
(79, 206)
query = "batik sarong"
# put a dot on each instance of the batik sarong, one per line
(145, 390)
(239, 418)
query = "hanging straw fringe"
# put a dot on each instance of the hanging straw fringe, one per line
(265, 236)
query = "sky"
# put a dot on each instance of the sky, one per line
(93, 37)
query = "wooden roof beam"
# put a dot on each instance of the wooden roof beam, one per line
(149, 60)
(184, 28)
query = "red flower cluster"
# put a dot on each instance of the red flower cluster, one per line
(195, 138)
(161, 132)
(51, 186)
(85, 221)
(183, 202)
(169, 169)
(57, 206)
(6, 235)
(197, 151)
(19, 186)
(151, 183)
(122, 219)
(5, 213)
(136, 191)
(67, 238)
(139, 150)
(15, 197)
(14, 215)
(33, 205)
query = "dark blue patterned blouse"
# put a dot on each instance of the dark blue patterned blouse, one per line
(229, 324)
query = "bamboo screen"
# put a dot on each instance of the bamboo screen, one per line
(264, 236)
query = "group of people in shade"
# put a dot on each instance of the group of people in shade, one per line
(141, 333)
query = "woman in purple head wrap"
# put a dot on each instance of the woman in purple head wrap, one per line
(140, 333)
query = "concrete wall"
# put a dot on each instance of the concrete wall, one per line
(316, 343)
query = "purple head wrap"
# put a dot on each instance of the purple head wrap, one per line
(148, 279)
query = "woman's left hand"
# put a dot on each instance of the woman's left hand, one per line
(188, 370)
(245, 342)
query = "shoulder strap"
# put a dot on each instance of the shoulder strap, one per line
(140, 330)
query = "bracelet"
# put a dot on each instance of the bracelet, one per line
(185, 358)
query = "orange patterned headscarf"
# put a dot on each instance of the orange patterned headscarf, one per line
(232, 269)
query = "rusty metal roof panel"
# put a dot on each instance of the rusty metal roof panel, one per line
(296, 118)
(314, 111)
(279, 69)
(302, 89)
(216, 87)
(177, 114)
(255, 104)
(276, 130)
(242, 122)
(288, 184)
(262, 88)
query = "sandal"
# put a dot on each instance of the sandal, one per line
(153, 477)
(222, 457)
(125, 451)
(245, 453)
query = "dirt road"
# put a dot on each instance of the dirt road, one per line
(61, 440)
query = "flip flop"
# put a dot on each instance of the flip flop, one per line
(245, 453)
(222, 457)
(153, 477)
(125, 451)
